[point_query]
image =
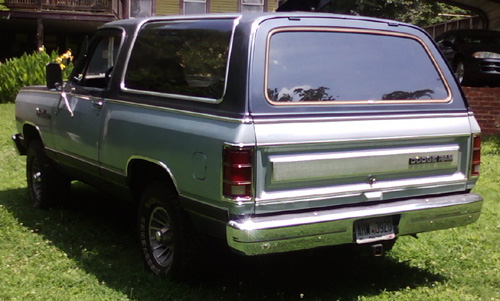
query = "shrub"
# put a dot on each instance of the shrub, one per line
(27, 70)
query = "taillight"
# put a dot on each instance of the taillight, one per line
(237, 172)
(476, 156)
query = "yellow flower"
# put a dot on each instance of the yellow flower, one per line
(65, 56)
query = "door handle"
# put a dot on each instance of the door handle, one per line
(97, 104)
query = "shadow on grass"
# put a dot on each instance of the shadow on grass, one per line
(98, 232)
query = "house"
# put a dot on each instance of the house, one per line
(28, 25)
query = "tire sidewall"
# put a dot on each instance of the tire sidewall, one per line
(54, 186)
(463, 79)
(34, 156)
(154, 197)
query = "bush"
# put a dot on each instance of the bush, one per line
(27, 70)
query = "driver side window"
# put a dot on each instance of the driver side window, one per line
(102, 56)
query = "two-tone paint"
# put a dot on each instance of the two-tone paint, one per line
(317, 168)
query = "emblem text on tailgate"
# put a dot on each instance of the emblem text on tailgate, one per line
(430, 159)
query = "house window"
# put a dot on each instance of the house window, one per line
(252, 5)
(194, 7)
(141, 8)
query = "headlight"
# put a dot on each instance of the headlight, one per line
(486, 55)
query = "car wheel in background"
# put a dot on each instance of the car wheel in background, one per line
(460, 72)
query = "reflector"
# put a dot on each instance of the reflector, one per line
(237, 172)
(476, 156)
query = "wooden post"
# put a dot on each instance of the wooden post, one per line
(39, 34)
(126, 10)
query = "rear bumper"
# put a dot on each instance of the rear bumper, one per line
(19, 144)
(297, 231)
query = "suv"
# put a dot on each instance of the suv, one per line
(270, 132)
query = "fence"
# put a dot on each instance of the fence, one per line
(468, 23)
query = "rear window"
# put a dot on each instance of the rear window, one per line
(480, 37)
(350, 66)
(183, 59)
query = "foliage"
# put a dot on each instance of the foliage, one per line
(402, 95)
(301, 94)
(64, 58)
(88, 251)
(27, 70)
(426, 12)
(418, 12)
(2, 5)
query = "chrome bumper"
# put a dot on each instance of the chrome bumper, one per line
(298, 231)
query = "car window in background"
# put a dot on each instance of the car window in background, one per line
(480, 38)
(447, 37)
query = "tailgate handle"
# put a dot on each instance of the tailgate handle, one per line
(374, 195)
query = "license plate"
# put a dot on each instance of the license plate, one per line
(372, 230)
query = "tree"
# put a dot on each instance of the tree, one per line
(313, 94)
(418, 12)
(310, 94)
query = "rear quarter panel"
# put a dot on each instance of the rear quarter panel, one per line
(188, 145)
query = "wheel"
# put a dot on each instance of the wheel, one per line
(47, 187)
(460, 72)
(166, 236)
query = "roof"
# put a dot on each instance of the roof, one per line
(489, 10)
(251, 17)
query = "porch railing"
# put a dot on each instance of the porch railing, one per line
(104, 6)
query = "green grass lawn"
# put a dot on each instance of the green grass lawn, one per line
(88, 252)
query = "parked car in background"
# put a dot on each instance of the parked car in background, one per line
(474, 55)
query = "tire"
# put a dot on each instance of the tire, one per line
(460, 72)
(167, 238)
(47, 187)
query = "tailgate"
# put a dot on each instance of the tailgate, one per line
(311, 163)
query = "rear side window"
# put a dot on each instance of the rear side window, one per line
(350, 66)
(181, 58)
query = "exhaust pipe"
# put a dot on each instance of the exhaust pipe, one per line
(378, 250)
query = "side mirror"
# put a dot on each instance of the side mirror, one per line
(53, 76)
